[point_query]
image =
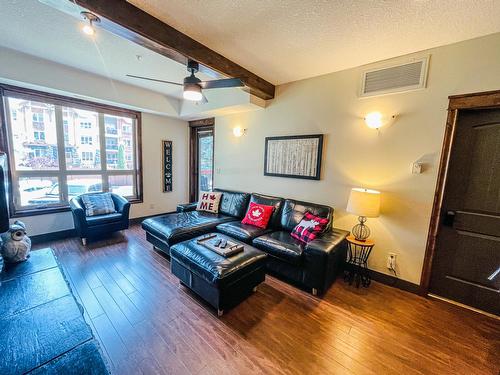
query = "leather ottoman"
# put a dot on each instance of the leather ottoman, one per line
(222, 282)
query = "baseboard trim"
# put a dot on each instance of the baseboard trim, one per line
(395, 282)
(461, 305)
(53, 236)
(62, 234)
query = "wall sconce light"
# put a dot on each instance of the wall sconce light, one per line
(375, 120)
(239, 131)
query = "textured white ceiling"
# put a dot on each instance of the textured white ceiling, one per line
(287, 40)
(37, 29)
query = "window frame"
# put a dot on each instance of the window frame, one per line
(62, 172)
(197, 126)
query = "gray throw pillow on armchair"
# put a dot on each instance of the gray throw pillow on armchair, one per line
(98, 204)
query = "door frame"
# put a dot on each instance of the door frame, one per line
(481, 100)
(194, 127)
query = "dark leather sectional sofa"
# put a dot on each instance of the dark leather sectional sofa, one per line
(313, 266)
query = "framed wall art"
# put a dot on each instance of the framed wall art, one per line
(297, 156)
(166, 166)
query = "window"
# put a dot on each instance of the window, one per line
(87, 156)
(57, 153)
(39, 136)
(85, 140)
(121, 184)
(111, 125)
(111, 159)
(201, 155)
(81, 138)
(111, 144)
(37, 117)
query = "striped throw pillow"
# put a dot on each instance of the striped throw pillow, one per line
(98, 204)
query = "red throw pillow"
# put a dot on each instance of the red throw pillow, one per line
(258, 215)
(309, 227)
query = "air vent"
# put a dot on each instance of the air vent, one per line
(396, 78)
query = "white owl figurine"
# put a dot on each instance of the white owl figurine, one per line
(15, 244)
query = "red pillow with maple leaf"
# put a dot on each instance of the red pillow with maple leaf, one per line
(258, 215)
(309, 227)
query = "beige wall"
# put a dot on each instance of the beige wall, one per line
(355, 155)
(156, 128)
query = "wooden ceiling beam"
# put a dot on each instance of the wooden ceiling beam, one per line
(126, 20)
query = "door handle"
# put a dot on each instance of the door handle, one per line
(494, 274)
(449, 218)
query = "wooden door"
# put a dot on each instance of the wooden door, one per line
(466, 265)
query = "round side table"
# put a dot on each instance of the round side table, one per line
(357, 259)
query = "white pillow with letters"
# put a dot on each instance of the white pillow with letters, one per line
(209, 201)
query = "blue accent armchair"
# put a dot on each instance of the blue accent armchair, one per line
(90, 226)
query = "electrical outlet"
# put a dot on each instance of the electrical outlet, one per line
(391, 261)
(416, 168)
(151, 206)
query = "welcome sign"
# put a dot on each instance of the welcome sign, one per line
(167, 165)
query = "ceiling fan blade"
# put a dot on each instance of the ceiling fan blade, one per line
(222, 83)
(155, 80)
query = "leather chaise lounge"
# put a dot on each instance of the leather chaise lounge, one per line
(167, 230)
(313, 266)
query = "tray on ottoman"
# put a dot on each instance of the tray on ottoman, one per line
(220, 245)
(222, 281)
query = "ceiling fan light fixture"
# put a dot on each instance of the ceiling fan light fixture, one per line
(88, 28)
(192, 92)
(193, 86)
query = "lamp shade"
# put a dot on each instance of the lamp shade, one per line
(364, 202)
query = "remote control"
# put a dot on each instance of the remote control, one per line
(223, 244)
(217, 243)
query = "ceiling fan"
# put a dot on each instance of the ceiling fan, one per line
(193, 85)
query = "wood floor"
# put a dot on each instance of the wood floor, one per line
(147, 323)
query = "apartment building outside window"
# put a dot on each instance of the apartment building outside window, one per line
(60, 147)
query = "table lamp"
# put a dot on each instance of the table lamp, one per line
(364, 203)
